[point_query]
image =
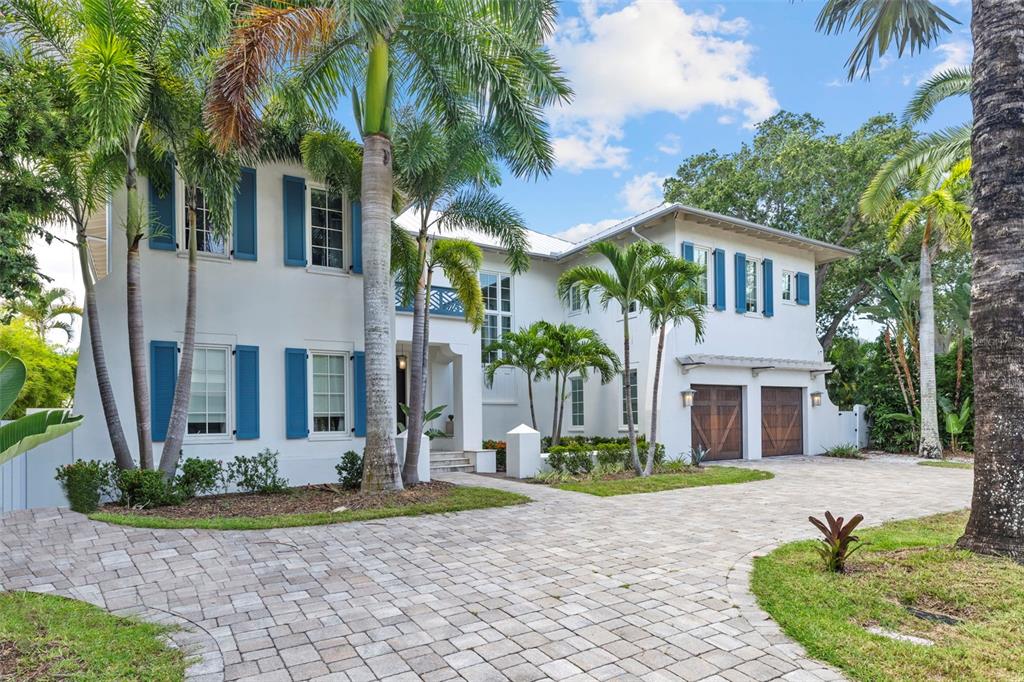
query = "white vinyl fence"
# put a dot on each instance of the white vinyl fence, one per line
(27, 482)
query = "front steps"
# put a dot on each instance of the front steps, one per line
(444, 462)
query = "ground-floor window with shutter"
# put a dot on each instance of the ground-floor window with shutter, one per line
(208, 405)
(329, 413)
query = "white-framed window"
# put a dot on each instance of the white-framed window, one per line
(575, 299)
(330, 397)
(631, 402)
(702, 257)
(788, 287)
(209, 399)
(497, 294)
(576, 402)
(753, 284)
(326, 228)
(206, 239)
(632, 307)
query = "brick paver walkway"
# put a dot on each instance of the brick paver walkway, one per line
(570, 587)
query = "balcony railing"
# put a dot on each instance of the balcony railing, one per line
(443, 301)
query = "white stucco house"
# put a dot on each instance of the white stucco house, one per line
(279, 362)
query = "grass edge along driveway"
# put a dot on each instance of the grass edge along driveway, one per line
(697, 477)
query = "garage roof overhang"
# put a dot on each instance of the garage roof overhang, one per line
(754, 364)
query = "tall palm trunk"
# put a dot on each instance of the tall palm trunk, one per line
(118, 442)
(380, 468)
(178, 420)
(959, 369)
(996, 524)
(653, 444)
(529, 392)
(417, 372)
(136, 330)
(554, 411)
(561, 407)
(931, 443)
(627, 389)
(894, 361)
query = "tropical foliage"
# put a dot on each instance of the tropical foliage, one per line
(50, 377)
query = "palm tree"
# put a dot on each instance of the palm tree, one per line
(896, 309)
(941, 216)
(677, 298)
(574, 351)
(116, 53)
(444, 174)
(523, 350)
(48, 310)
(473, 59)
(636, 271)
(954, 308)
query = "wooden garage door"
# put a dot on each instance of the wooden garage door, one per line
(717, 420)
(782, 423)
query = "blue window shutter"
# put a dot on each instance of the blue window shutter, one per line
(244, 228)
(719, 279)
(688, 251)
(741, 282)
(163, 228)
(247, 392)
(163, 376)
(769, 287)
(357, 236)
(294, 221)
(296, 397)
(359, 390)
(803, 288)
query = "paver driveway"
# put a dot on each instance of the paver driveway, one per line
(570, 587)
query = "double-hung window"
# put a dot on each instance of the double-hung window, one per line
(630, 402)
(575, 299)
(208, 404)
(752, 285)
(207, 240)
(788, 286)
(327, 228)
(576, 401)
(329, 398)
(497, 294)
(702, 257)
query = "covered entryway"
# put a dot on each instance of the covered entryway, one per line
(782, 421)
(717, 420)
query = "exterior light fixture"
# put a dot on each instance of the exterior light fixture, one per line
(402, 361)
(816, 399)
(688, 397)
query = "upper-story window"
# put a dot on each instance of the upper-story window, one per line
(497, 294)
(702, 257)
(208, 404)
(206, 239)
(575, 299)
(752, 285)
(788, 286)
(327, 228)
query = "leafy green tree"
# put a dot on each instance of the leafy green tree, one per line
(795, 177)
(522, 350)
(471, 59)
(50, 380)
(48, 310)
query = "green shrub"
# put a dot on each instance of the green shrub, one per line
(844, 451)
(257, 474)
(572, 462)
(85, 482)
(350, 469)
(610, 450)
(199, 477)
(146, 488)
(500, 450)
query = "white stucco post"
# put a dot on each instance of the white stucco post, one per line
(752, 420)
(522, 452)
(468, 398)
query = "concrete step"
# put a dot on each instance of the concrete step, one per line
(440, 457)
(442, 461)
(468, 468)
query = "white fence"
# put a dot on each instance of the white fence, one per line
(27, 481)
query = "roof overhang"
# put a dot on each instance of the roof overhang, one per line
(754, 364)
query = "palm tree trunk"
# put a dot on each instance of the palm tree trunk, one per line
(901, 354)
(653, 445)
(178, 421)
(529, 392)
(996, 524)
(561, 407)
(554, 414)
(893, 360)
(417, 372)
(380, 469)
(959, 369)
(136, 330)
(930, 445)
(627, 389)
(118, 442)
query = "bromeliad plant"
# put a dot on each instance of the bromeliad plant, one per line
(837, 545)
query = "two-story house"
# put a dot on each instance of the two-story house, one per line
(279, 360)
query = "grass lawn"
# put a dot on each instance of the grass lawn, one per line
(946, 465)
(908, 564)
(45, 637)
(696, 477)
(460, 499)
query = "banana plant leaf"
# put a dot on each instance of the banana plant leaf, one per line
(12, 378)
(33, 430)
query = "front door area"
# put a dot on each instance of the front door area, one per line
(717, 421)
(782, 423)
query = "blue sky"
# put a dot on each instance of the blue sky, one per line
(659, 80)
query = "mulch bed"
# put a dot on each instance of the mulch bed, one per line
(308, 499)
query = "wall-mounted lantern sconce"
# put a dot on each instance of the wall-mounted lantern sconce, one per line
(688, 397)
(816, 399)
(402, 361)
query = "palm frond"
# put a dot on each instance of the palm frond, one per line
(460, 260)
(480, 210)
(48, 27)
(954, 82)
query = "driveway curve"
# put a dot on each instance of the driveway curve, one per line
(570, 587)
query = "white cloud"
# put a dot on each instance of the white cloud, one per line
(648, 56)
(642, 192)
(670, 144)
(955, 54)
(578, 233)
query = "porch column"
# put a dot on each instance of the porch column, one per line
(467, 385)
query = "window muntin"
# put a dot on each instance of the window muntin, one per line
(575, 299)
(497, 294)
(634, 403)
(788, 287)
(576, 401)
(329, 414)
(702, 257)
(327, 228)
(206, 239)
(751, 285)
(208, 401)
